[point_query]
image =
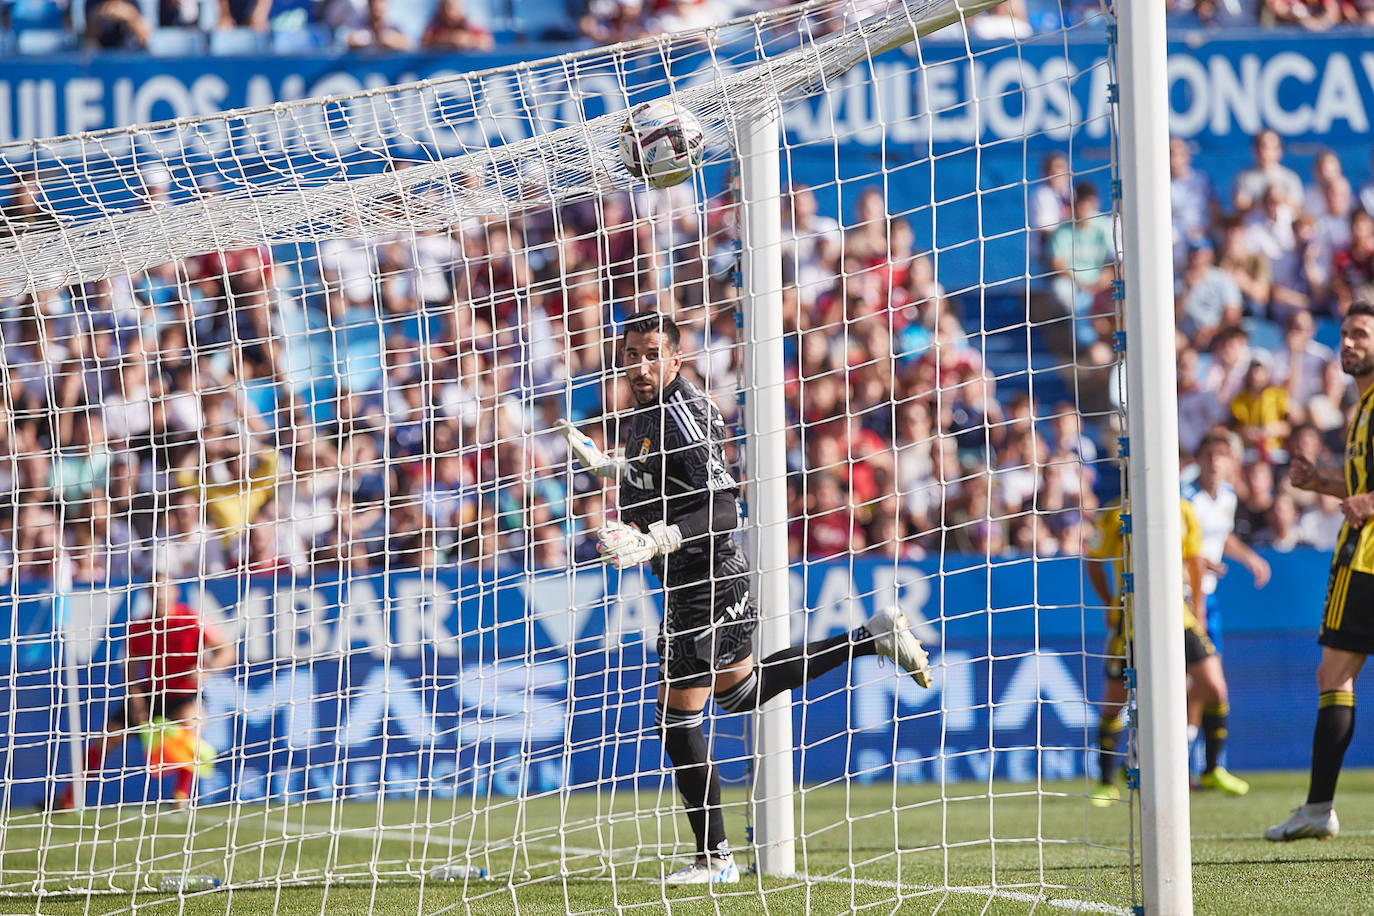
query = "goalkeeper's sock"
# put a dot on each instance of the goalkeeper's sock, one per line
(794, 666)
(1214, 717)
(1335, 727)
(1109, 728)
(697, 780)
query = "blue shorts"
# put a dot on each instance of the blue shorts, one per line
(1214, 621)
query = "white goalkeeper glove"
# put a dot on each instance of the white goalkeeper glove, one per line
(624, 546)
(587, 454)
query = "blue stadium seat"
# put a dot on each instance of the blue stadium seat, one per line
(45, 41)
(239, 41)
(1264, 334)
(37, 14)
(176, 42)
(311, 37)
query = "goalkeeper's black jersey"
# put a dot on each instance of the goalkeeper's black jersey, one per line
(674, 465)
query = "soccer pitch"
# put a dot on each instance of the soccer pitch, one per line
(611, 855)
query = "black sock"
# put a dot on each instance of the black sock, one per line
(794, 666)
(697, 780)
(1335, 726)
(1214, 732)
(1109, 728)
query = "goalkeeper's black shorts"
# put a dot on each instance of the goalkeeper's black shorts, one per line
(1348, 618)
(708, 625)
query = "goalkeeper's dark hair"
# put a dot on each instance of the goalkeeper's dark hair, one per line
(651, 323)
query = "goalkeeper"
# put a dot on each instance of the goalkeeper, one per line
(678, 511)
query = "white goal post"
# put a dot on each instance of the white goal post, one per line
(293, 372)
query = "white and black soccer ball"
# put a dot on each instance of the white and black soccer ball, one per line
(661, 143)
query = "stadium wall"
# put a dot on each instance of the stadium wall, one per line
(468, 686)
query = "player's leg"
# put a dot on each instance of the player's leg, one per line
(1347, 637)
(686, 651)
(1109, 725)
(97, 750)
(1204, 666)
(744, 686)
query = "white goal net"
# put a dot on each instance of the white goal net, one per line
(281, 389)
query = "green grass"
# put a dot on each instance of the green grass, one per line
(933, 854)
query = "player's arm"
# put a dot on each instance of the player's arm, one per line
(220, 653)
(1305, 475)
(1237, 549)
(1196, 571)
(593, 459)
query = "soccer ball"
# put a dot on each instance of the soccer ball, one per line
(661, 143)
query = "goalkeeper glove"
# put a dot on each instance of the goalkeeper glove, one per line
(588, 455)
(624, 546)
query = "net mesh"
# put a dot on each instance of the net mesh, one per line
(294, 372)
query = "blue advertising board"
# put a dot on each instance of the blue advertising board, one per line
(452, 683)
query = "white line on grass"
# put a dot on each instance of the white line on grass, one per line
(1080, 906)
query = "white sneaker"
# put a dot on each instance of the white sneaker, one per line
(1319, 825)
(712, 870)
(893, 639)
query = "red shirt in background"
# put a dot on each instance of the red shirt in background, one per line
(165, 651)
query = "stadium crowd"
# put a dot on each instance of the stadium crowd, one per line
(391, 401)
(288, 26)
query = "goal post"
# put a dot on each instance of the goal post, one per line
(308, 360)
(766, 466)
(1152, 434)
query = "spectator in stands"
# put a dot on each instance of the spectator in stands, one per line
(609, 22)
(1366, 196)
(25, 209)
(1268, 171)
(1251, 271)
(1259, 414)
(670, 16)
(235, 483)
(1192, 200)
(249, 14)
(452, 29)
(1081, 255)
(1207, 297)
(1352, 269)
(1269, 232)
(829, 528)
(1314, 15)
(1300, 364)
(1255, 499)
(1051, 203)
(178, 14)
(365, 25)
(116, 25)
(1319, 525)
(1328, 408)
(1327, 174)
(1280, 531)
(1231, 356)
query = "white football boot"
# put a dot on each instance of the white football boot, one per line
(711, 870)
(893, 639)
(1318, 824)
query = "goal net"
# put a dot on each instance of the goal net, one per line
(287, 380)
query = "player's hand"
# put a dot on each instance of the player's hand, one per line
(1259, 568)
(1358, 508)
(1303, 473)
(624, 546)
(593, 459)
